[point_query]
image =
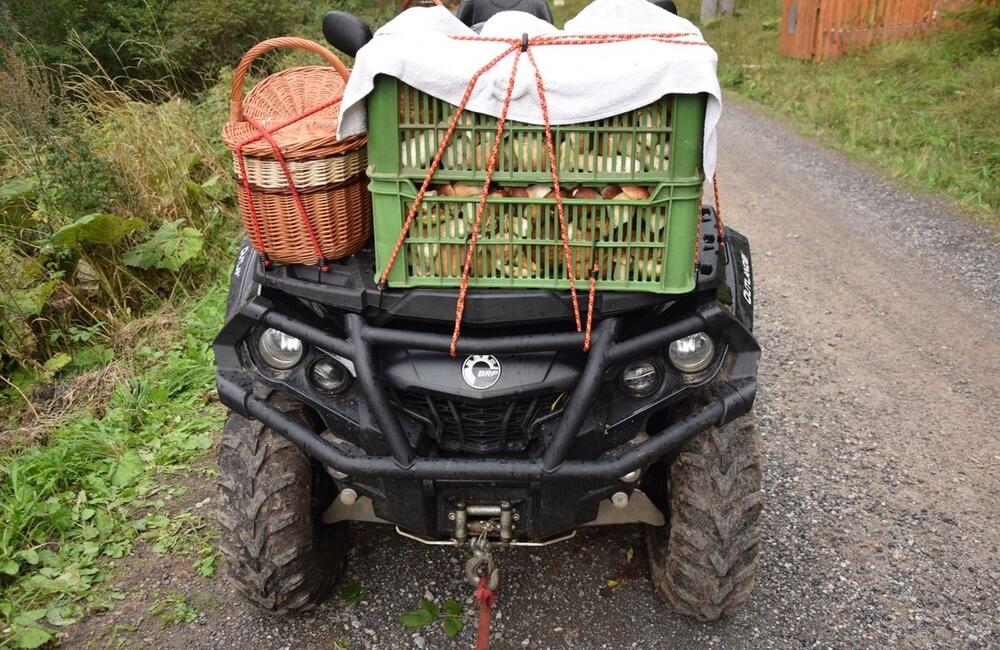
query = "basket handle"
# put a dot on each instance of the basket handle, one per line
(239, 76)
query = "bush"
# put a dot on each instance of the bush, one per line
(183, 42)
(106, 204)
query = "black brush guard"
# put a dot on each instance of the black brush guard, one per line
(731, 396)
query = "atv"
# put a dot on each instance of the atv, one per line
(346, 405)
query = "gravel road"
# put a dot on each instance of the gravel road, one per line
(879, 314)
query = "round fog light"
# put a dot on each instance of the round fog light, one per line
(692, 353)
(641, 379)
(330, 376)
(279, 350)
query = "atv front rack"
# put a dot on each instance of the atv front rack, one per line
(732, 398)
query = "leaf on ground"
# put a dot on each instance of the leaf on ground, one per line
(430, 608)
(29, 617)
(452, 626)
(10, 567)
(629, 554)
(128, 468)
(417, 618)
(31, 637)
(613, 584)
(55, 363)
(16, 188)
(170, 248)
(352, 593)
(453, 608)
(59, 616)
(205, 567)
(28, 302)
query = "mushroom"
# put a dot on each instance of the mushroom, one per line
(530, 153)
(635, 192)
(610, 191)
(587, 193)
(539, 191)
(621, 214)
(464, 189)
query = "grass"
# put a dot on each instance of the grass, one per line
(922, 111)
(74, 506)
(108, 206)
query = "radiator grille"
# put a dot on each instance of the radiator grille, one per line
(470, 426)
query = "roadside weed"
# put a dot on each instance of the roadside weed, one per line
(173, 609)
(451, 614)
(353, 593)
(103, 484)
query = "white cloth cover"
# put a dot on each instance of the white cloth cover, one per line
(582, 82)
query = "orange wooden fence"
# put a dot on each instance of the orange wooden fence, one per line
(826, 29)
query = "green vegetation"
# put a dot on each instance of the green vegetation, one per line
(108, 205)
(102, 484)
(182, 43)
(117, 224)
(451, 614)
(924, 111)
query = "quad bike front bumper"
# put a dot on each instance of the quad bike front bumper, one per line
(594, 444)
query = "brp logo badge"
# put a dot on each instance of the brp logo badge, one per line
(481, 371)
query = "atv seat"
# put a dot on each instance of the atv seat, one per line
(477, 12)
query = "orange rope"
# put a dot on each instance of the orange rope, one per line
(555, 188)
(490, 168)
(718, 211)
(517, 46)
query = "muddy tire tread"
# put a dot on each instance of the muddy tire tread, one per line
(281, 558)
(705, 566)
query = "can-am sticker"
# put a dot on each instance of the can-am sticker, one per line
(748, 281)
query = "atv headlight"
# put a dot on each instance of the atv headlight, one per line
(641, 378)
(330, 376)
(692, 353)
(279, 350)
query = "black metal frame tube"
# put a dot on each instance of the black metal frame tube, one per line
(731, 401)
(388, 423)
(579, 401)
(307, 332)
(659, 337)
(474, 345)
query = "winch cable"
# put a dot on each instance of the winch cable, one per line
(516, 47)
(485, 598)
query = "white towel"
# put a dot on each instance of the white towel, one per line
(583, 83)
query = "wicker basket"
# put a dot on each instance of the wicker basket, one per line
(327, 175)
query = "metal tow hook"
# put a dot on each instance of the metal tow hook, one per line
(482, 563)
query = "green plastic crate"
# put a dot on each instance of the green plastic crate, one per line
(640, 245)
